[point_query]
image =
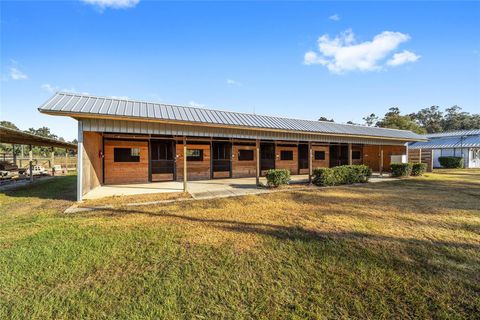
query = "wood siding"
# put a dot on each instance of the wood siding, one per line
(244, 168)
(321, 163)
(291, 165)
(372, 154)
(426, 157)
(196, 170)
(92, 161)
(126, 172)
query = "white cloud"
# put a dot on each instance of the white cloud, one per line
(16, 74)
(232, 82)
(403, 57)
(343, 53)
(52, 89)
(192, 103)
(49, 88)
(114, 4)
(334, 17)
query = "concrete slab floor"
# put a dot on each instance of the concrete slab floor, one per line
(198, 189)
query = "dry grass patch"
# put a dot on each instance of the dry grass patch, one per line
(118, 201)
(401, 249)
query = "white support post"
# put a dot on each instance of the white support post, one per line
(185, 186)
(80, 162)
(30, 162)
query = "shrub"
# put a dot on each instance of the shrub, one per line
(341, 175)
(277, 177)
(418, 169)
(401, 169)
(451, 162)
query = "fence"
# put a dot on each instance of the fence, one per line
(70, 162)
(421, 156)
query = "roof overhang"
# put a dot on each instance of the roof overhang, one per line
(79, 116)
(8, 135)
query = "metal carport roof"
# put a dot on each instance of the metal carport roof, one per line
(8, 135)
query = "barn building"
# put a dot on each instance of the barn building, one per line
(460, 143)
(124, 141)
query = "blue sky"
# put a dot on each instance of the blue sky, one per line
(341, 60)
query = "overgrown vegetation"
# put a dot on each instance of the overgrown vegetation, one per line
(401, 169)
(277, 177)
(341, 175)
(401, 249)
(451, 162)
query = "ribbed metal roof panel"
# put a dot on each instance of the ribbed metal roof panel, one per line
(70, 103)
(454, 133)
(471, 141)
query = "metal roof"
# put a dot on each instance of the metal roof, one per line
(8, 135)
(79, 105)
(456, 141)
(453, 133)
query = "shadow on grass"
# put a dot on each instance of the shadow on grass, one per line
(57, 188)
(294, 233)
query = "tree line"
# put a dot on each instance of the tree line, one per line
(427, 120)
(38, 151)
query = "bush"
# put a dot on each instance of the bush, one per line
(401, 169)
(277, 177)
(418, 169)
(451, 162)
(341, 175)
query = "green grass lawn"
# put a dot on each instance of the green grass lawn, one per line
(402, 249)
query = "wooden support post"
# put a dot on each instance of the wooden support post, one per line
(257, 155)
(21, 156)
(30, 155)
(350, 161)
(185, 187)
(66, 160)
(419, 155)
(14, 155)
(53, 157)
(310, 162)
(381, 160)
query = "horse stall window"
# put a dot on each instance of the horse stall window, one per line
(126, 155)
(245, 155)
(286, 155)
(194, 155)
(319, 155)
(356, 155)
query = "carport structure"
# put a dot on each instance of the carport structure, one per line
(17, 137)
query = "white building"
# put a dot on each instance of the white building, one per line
(465, 143)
